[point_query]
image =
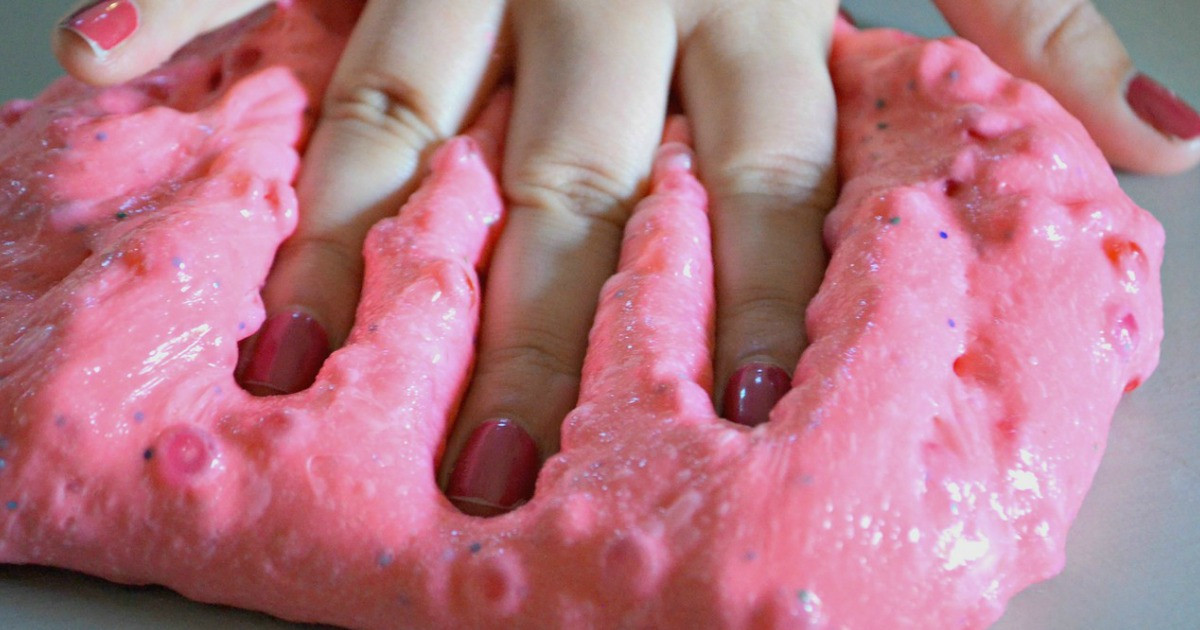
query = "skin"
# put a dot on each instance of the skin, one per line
(592, 80)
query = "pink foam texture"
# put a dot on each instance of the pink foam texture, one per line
(991, 294)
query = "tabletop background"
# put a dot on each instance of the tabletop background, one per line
(1133, 556)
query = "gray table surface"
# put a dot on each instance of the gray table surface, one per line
(1133, 557)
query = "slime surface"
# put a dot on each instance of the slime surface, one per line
(991, 294)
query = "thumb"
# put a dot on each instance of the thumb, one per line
(1073, 52)
(111, 41)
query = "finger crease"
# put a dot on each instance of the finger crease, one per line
(1069, 21)
(537, 355)
(397, 111)
(345, 256)
(581, 190)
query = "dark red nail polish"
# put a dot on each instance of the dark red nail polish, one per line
(1161, 108)
(104, 24)
(752, 391)
(286, 355)
(496, 470)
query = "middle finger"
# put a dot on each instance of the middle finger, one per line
(591, 91)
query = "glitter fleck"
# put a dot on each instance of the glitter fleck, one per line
(101, 136)
(177, 262)
(952, 323)
(3, 464)
(11, 505)
(475, 547)
(894, 220)
(881, 125)
(122, 215)
(385, 558)
(880, 103)
(943, 234)
(148, 454)
(138, 416)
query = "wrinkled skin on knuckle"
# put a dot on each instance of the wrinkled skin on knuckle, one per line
(580, 187)
(792, 181)
(1073, 26)
(383, 107)
(533, 356)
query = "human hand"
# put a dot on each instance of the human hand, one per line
(591, 89)
(573, 165)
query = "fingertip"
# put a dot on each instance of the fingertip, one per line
(286, 354)
(1072, 51)
(1170, 116)
(89, 42)
(752, 391)
(103, 25)
(112, 41)
(496, 470)
(1139, 124)
(105, 42)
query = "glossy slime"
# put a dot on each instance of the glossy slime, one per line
(991, 294)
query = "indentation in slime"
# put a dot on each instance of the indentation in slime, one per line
(185, 455)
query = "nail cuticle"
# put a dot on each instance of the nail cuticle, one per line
(1161, 108)
(752, 391)
(496, 470)
(104, 25)
(286, 355)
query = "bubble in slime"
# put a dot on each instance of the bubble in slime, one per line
(991, 294)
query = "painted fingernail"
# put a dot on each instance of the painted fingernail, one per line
(287, 354)
(103, 24)
(1161, 108)
(496, 470)
(752, 391)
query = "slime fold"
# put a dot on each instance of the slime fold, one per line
(991, 294)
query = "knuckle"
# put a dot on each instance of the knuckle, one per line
(579, 187)
(1076, 22)
(766, 307)
(334, 255)
(374, 104)
(763, 326)
(540, 357)
(784, 179)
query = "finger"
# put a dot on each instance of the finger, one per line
(1073, 52)
(110, 41)
(756, 87)
(591, 92)
(384, 109)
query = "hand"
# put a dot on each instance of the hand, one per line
(592, 81)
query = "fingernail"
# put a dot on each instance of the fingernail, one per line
(103, 24)
(752, 391)
(496, 470)
(1161, 108)
(287, 354)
